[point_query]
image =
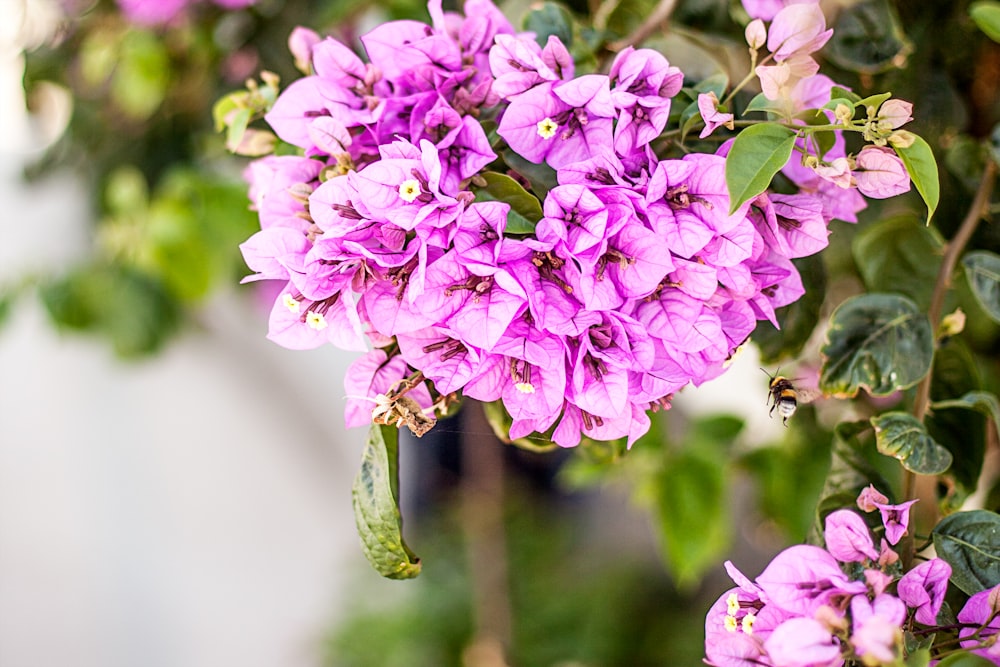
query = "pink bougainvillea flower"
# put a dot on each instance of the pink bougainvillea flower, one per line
(708, 107)
(895, 518)
(803, 578)
(923, 588)
(981, 610)
(847, 537)
(797, 30)
(877, 634)
(880, 173)
(803, 642)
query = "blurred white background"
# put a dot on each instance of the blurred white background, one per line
(190, 510)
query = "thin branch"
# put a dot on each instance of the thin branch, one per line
(660, 13)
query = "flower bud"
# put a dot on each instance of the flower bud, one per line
(902, 139)
(756, 34)
(952, 324)
(844, 114)
(896, 113)
(301, 43)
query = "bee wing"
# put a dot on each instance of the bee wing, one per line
(808, 395)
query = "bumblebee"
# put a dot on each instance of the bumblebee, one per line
(784, 397)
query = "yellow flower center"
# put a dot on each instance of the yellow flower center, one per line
(525, 387)
(731, 623)
(748, 622)
(316, 320)
(409, 190)
(290, 303)
(547, 128)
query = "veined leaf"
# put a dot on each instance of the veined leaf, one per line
(981, 401)
(880, 342)
(922, 168)
(970, 543)
(904, 437)
(757, 154)
(899, 254)
(375, 497)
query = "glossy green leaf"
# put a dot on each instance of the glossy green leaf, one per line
(549, 18)
(970, 543)
(922, 168)
(981, 401)
(982, 269)
(375, 498)
(757, 154)
(867, 38)
(525, 209)
(986, 15)
(899, 254)
(879, 342)
(964, 660)
(798, 320)
(904, 437)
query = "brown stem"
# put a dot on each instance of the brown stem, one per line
(660, 13)
(486, 543)
(953, 250)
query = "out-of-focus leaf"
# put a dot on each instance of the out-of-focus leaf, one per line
(950, 423)
(525, 209)
(899, 254)
(879, 342)
(922, 168)
(919, 658)
(550, 18)
(126, 192)
(690, 499)
(986, 14)
(964, 660)
(964, 159)
(798, 320)
(970, 543)
(756, 155)
(850, 472)
(981, 401)
(904, 437)
(142, 75)
(126, 306)
(867, 38)
(375, 497)
(982, 269)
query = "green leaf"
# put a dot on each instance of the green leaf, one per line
(238, 125)
(550, 18)
(904, 437)
(981, 401)
(838, 92)
(757, 154)
(375, 497)
(919, 658)
(542, 177)
(525, 209)
(970, 543)
(986, 15)
(874, 100)
(760, 102)
(899, 254)
(879, 342)
(963, 660)
(716, 83)
(920, 164)
(982, 269)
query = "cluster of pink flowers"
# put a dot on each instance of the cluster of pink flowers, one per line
(819, 607)
(636, 280)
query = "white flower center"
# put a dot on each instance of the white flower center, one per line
(290, 303)
(316, 320)
(547, 128)
(409, 190)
